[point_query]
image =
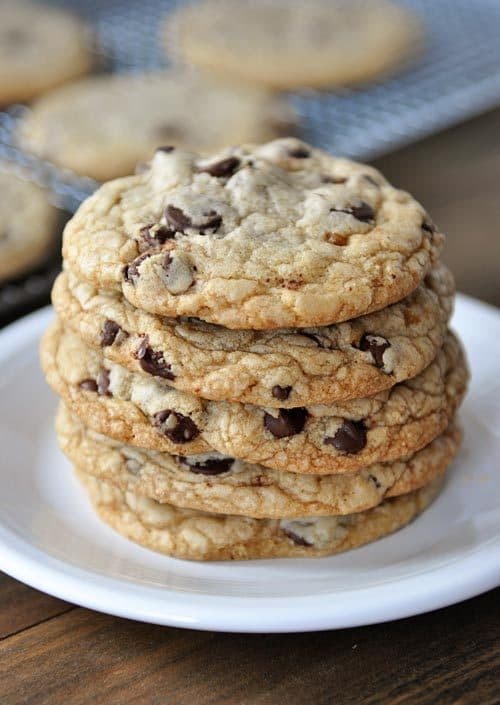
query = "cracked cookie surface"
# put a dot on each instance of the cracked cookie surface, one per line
(271, 236)
(341, 437)
(279, 368)
(193, 535)
(216, 483)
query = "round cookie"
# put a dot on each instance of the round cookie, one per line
(278, 368)
(216, 483)
(28, 225)
(271, 236)
(287, 45)
(40, 47)
(341, 437)
(138, 113)
(185, 533)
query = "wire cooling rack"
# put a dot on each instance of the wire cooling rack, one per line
(457, 76)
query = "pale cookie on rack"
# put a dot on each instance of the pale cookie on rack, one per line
(186, 533)
(278, 368)
(216, 483)
(28, 225)
(40, 47)
(138, 113)
(270, 236)
(145, 411)
(286, 45)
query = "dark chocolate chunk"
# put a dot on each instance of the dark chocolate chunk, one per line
(131, 270)
(103, 384)
(177, 218)
(428, 225)
(153, 362)
(289, 422)
(175, 426)
(281, 393)
(299, 153)
(376, 345)
(212, 466)
(223, 168)
(109, 332)
(157, 236)
(349, 438)
(167, 148)
(89, 385)
(362, 211)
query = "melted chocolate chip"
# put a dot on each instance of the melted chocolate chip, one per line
(167, 149)
(175, 426)
(299, 153)
(153, 362)
(177, 218)
(109, 332)
(103, 384)
(349, 438)
(376, 346)
(362, 211)
(212, 466)
(89, 385)
(299, 540)
(131, 271)
(281, 393)
(156, 236)
(224, 168)
(289, 422)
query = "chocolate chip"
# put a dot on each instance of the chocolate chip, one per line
(349, 438)
(376, 345)
(289, 422)
(428, 225)
(175, 426)
(362, 211)
(299, 540)
(153, 362)
(212, 466)
(177, 218)
(109, 332)
(328, 179)
(299, 153)
(131, 270)
(167, 149)
(156, 235)
(226, 167)
(103, 384)
(89, 385)
(281, 393)
(213, 223)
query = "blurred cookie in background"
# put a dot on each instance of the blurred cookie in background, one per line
(285, 44)
(102, 126)
(40, 47)
(29, 226)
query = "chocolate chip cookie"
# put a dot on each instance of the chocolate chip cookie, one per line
(194, 535)
(274, 236)
(138, 113)
(29, 225)
(144, 410)
(40, 47)
(216, 483)
(278, 368)
(287, 45)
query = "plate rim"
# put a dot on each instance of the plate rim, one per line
(415, 594)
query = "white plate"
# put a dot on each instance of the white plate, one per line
(50, 538)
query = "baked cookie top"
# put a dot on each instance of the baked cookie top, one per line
(104, 125)
(323, 439)
(40, 47)
(28, 225)
(281, 368)
(216, 483)
(283, 44)
(270, 236)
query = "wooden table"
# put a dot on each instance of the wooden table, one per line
(53, 653)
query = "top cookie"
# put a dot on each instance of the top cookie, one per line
(40, 47)
(283, 44)
(270, 236)
(137, 113)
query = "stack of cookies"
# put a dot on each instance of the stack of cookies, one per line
(253, 355)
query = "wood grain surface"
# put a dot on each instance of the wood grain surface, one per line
(52, 653)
